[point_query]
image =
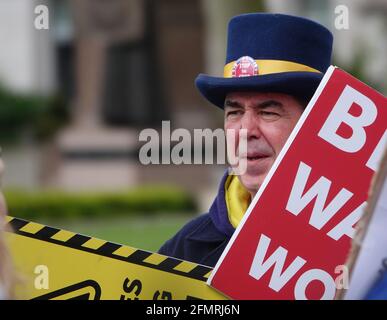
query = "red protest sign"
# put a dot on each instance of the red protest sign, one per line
(297, 231)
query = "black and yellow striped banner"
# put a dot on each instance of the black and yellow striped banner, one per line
(59, 264)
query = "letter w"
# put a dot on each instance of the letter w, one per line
(297, 202)
(278, 278)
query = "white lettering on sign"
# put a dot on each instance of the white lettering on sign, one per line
(315, 275)
(374, 160)
(297, 202)
(279, 277)
(346, 226)
(340, 115)
(322, 212)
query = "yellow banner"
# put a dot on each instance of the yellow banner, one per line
(269, 67)
(58, 264)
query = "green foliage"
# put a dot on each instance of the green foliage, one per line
(59, 204)
(358, 67)
(41, 116)
(54, 116)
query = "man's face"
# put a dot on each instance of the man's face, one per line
(268, 118)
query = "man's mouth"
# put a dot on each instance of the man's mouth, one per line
(256, 156)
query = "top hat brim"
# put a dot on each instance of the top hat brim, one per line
(301, 85)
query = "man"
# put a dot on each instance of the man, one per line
(273, 66)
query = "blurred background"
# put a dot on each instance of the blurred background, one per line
(74, 97)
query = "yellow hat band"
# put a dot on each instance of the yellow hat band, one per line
(262, 67)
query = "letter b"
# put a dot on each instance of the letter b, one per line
(340, 115)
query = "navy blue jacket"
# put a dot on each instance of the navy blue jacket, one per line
(203, 239)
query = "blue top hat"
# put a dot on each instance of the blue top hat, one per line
(271, 53)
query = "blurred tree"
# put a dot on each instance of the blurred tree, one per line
(358, 68)
(40, 116)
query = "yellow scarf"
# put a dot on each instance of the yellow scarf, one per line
(237, 199)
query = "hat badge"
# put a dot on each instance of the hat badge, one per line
(244, 67)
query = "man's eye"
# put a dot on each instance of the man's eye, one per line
(232, 113)
(269, 114)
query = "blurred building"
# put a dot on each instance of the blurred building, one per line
(125, 65)
(362, 48)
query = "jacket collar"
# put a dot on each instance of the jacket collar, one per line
(220, 228)
(218, 210)
(207, 232)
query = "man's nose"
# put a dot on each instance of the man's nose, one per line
(251, 124)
